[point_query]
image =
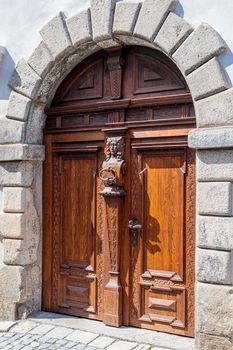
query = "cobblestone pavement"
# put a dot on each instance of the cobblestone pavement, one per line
(28, 335)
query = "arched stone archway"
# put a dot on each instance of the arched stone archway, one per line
(65, 43)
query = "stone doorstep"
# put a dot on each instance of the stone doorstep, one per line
(157, 340)
(5, 326)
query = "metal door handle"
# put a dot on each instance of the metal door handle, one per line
(134, 226)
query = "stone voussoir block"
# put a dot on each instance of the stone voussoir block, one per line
(210, 342)
(215, 110)
(13, 283)
(12, 225)
(172, 33)
(125, 17)
(24, 79)
(202, 45)
(102, 12)
(21, 152)
(215, 165)
(204, 138)
(79, 27)
(14, 199)
(152, 16)
(214, 198)
(11, 131)
(56, 36)
(18, 106)
(207, 80)
(41, 59)
(16, 173)
(214, 266)
(214, 307)
(215, 232)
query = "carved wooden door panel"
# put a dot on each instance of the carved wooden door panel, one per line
(162, 246)
(76, 244)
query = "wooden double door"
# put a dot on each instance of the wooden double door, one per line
(156, 259)
(119, 219)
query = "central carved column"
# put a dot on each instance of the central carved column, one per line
(112, 175)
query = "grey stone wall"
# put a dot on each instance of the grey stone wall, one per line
(65, 42)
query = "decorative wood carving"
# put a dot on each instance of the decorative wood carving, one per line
(114, 167)
(115, 63)
(113, 194)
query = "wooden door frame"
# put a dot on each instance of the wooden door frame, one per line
(169, 133)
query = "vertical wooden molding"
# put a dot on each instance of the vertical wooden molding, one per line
(112, 175)
(115, 62)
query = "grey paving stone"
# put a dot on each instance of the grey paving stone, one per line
(23, 326)
(143, 347)
(42, 329)
(59, 332)
(82, 337)
(122, 345)
(47, 340)
(102, 342)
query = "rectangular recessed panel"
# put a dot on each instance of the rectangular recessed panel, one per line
(72, 121)
(155, 303)
(167, 112)
(163, 306)
(77, 293)
(136, 115)
(163, 220)
(98, 119)
(78, 209)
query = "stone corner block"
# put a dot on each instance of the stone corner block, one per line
(207, 80)
(21, 152)
(172, 33)
(11, 131)
(12, 225)
(214, 198)
(79, 27)
(202, 45)
(205, 138)
(102, 13)
(214, 266)
(215, 110)
(215, 165)
(14, 199)
(16, 173)
(215, 232)
(20, 252)
(210, 342)
(56, 36)
(214, 307)
(125, 17)
(24, 79)
(13, 283)
(8, 311)
(41, 59)
(152, 16)
(18, 106)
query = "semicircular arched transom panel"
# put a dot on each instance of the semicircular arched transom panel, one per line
(127, 73)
